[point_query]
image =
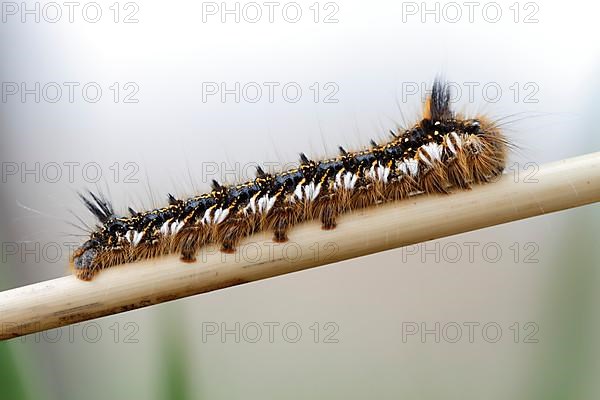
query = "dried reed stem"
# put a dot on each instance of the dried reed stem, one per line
(561, 185)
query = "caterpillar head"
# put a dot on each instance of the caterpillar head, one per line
(84, 259)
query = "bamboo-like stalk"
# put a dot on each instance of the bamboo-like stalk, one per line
(565, 184)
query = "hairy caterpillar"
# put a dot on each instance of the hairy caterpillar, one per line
(442, 151)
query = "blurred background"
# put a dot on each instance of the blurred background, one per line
(142, 99)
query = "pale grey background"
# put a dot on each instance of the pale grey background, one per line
(170, 135)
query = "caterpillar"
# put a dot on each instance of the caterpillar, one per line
(441, 152)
